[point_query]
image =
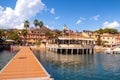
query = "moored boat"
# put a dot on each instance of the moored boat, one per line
(108, 51)
(116, 50)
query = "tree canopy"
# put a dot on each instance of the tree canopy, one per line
(2, 33)
(26, 24)
(41, 24)
(14, 35)
(24, 32)
(48, 34)
(36, 23)
(107, 30)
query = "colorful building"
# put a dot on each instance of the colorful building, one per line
(35, 35)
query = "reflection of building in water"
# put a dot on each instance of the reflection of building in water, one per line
(71, 45)
(67, 60)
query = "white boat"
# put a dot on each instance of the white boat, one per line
(108, 51)
(116, 50)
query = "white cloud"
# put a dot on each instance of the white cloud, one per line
(57, 17)
(80, 20)
(24, 10)
(52, 11)
(95, 17)
(111, 24)
(49, 27)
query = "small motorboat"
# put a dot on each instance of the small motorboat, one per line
(108, 51)
(116, 50)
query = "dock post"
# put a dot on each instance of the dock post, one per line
(71, 51)
(66, 50)
(92, 51)
(77, 51)
(60, 50)
(86, 51)
(82, 51)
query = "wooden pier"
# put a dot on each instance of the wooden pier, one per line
(71, 45)
(24, 66)
(71, 50)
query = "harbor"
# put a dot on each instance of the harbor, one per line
(60, 40)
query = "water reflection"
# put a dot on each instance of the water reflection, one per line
(80, 67)
(70, 60)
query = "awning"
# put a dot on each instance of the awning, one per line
(9, 40)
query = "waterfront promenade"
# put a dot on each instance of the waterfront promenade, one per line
(24, 66)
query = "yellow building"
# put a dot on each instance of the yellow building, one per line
(109, 39)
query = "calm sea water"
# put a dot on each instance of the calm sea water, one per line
(74, 67)
(81, 67)
(5, 57)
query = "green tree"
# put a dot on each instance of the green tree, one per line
(40, 24)
(26, 24)
(104, 42)
(110, 30)
(2, 33)
(36, 23)
(48, 34)
(107, 30)
(58, 32)
(14, 35)
(38, 42)
(24, 33)
(100, 31)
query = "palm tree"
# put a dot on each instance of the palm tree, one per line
(40, 25)
(26, 25)
(36, 23)
(24, 33)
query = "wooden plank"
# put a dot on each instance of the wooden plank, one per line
(24, 65)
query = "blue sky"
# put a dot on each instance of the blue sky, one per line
(76, 14)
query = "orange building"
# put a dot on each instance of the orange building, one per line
(35, 34)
